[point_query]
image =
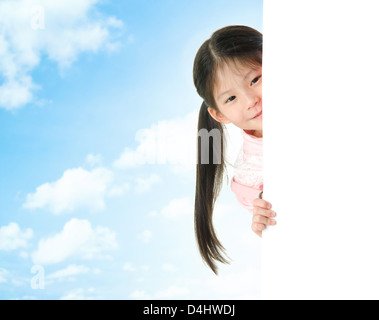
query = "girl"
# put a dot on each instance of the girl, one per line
(227, 75)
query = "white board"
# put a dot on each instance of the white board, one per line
(321, 149)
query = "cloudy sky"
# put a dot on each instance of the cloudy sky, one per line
(97, 128)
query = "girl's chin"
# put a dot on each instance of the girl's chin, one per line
(255, 129)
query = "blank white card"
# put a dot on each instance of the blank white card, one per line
(321, 149)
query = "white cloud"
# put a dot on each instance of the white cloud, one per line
(28, 298)
(24, 254)
(94, 160)
(178, 208)
(77, 188)
(168, 267)
(68, 273)
(118, 190)
(3, 275)
(173, 142)
(60, 30)
(235, 285)
(79, 294)
(170, 142)
(129, 267)
(96, 271)
(77, 238)
(140, 295)
(11, 237)
(232, 283)
(152, 213)
(143, 185)
(145, 236)
(15, 93)
(172, 292)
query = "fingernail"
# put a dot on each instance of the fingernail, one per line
(269, 206)
(272, 222)
(273, 214)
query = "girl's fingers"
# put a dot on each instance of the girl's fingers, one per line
(261, 203)
(259, 233)
(263, 220)
(262, 216)
(264, 212)
(258, 228)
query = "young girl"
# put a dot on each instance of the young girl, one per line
(227, 75)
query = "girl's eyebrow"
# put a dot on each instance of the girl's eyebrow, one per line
(225, 92)
(244, 78)
(249, 73)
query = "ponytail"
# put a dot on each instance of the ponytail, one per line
(209, 179)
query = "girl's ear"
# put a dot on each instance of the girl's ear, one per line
(218, 116)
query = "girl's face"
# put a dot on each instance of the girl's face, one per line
(238, 95)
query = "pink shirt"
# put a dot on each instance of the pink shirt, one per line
(247, 182)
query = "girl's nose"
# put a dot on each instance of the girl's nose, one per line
(251, 100)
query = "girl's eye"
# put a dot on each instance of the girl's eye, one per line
(255, 80)
(230, 99)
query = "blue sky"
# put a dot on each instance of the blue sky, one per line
(85, 198)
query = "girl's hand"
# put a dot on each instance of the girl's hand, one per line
(262, 216)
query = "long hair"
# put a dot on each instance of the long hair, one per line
(230, 44)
